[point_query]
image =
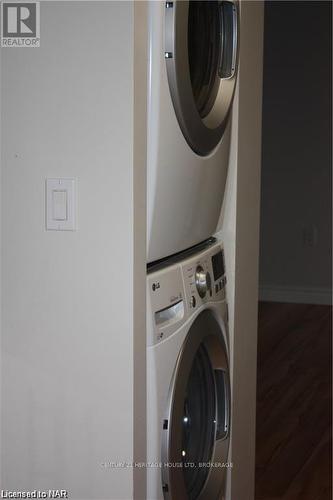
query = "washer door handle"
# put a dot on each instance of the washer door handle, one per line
(229, 41)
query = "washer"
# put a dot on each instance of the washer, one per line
(188, 380)
(192, 72)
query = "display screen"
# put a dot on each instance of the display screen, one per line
(218, 265)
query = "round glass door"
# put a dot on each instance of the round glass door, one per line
(195, 439)
(201, 59)
(204, 46)
(198, 422)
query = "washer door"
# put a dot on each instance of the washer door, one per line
(195, 434)
(201, 60)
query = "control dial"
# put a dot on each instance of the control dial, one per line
(202, 281)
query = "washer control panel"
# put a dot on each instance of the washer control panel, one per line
(177, 291)
(204, 277)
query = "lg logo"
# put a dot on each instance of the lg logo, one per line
(20, 24)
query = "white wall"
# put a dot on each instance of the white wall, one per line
(67, 330)
(139, 241)
(239, 225)
(296, 170)
(227, 234)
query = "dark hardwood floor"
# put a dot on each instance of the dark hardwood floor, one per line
(293, 457)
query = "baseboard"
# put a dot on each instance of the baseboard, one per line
(299, 295)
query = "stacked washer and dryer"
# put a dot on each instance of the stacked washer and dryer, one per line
(191, 81)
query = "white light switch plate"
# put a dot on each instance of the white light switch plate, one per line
(61, 204)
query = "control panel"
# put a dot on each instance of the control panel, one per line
(177, 291)
(204, 278)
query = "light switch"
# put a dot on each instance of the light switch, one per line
(61, 204)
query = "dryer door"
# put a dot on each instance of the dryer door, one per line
(195, 434)
(201, 60)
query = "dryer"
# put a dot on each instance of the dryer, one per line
(191, 80)
(188, 380)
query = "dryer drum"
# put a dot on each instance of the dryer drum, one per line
(195, 432)
(201, 39)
